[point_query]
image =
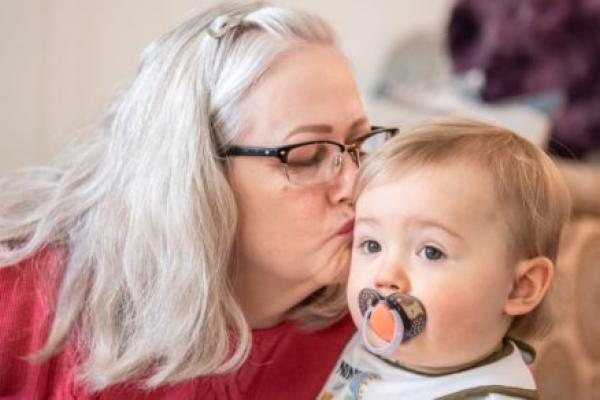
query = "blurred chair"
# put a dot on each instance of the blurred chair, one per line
(568, 360)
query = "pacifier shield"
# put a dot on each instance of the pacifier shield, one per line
(411, 311)
(368, 298)
(395, 319)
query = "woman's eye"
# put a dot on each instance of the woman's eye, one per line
(370, 246)
(431, 253)
(308, 156)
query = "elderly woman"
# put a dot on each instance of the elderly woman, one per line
(194, 248)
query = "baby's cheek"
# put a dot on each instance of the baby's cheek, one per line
(358, 275)
(451, 320)
(357, 281)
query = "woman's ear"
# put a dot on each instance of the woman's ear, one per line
(531, 280)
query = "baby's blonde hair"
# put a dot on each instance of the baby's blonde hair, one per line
(528, 186)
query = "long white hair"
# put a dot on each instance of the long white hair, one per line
(146, 214)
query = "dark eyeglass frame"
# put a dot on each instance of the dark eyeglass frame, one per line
(282, 152)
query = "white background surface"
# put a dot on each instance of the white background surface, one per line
(61, 61)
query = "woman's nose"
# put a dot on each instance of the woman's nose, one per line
(392, 277)
(345, 180)
(354, 154)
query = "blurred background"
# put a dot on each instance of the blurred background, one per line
(529, 65)
(63, 60)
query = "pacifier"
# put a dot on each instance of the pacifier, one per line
(395, 319)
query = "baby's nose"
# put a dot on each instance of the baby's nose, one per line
(392, 278)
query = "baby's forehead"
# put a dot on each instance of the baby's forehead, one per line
(456, 193)
(470, 176)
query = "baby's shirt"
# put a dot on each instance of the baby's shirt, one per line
(360, 374)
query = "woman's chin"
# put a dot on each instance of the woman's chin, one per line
(336, 269)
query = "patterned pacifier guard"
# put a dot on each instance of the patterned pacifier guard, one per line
(395, 319)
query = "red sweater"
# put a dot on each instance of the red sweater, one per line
(285, 362)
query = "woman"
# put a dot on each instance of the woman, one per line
(185, 251)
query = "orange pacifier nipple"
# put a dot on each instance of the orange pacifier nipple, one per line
(382, 322)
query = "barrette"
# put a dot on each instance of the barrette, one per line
(223, 24)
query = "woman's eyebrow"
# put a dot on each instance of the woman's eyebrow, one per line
(324, 128)
(310, 129)
(358, 123)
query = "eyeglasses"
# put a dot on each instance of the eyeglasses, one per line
(318, 161)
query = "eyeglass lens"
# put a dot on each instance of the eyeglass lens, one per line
(312, 163)
(318, 163)
(373, 142)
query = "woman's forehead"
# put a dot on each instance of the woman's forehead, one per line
(311, 90)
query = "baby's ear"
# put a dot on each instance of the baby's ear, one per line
(531, 280)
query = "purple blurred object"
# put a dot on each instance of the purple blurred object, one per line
(530, 46)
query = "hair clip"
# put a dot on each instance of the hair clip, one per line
(223, 24)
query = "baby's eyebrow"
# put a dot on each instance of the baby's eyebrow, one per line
(432, 223)
(367, 221)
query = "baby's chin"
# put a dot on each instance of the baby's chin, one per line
(416, 355)
(408, 354)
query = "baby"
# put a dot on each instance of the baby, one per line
(455, 240)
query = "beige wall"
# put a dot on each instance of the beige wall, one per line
(61, 60)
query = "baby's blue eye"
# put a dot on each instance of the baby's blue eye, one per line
(431, 253)
(371, 246)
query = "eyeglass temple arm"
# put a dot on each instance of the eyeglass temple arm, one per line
(251, 152)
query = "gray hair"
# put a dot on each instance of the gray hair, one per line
(145, 210)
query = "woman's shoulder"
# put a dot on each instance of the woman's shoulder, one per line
(30, 284)
(285, 361)
(303, 343)
(296, 360)
(27, 291)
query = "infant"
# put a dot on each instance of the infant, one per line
(456, 235)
